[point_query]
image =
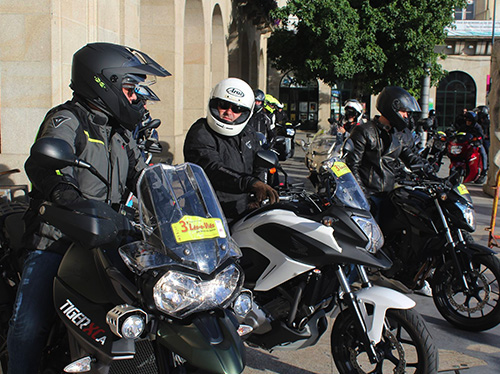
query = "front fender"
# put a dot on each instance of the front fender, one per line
(210, 342)
(381, 299)
(474, 249)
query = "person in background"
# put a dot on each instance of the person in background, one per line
(259, 120)
(110, 84)
(460, 119)
(472, 127)
(434, 120)
(281, 116)
(270, 105)
(353, 116)
(483, 119)
(225, 147)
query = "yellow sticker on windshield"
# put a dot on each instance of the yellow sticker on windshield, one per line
(462, 189)
(191, 228)
(339, 168)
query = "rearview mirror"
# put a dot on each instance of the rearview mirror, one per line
(57, 154)
(53, 153)
(266, 159)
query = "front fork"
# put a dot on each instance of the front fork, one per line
(353, 304)
(451, 246)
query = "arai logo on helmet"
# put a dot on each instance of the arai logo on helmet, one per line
(235, 92)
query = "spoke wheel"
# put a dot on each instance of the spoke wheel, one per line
(476, 308)
(406, 346)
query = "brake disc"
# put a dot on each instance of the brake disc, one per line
(480, 305)
(395, 344)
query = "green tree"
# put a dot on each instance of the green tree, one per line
(372, 43)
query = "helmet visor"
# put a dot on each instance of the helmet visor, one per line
(141, 85)
(216, 104)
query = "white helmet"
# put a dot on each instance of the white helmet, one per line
(354, 108)
(234, 91)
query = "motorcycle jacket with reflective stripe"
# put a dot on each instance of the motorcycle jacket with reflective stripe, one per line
(227, 161)
(110, 149)
(375, 158)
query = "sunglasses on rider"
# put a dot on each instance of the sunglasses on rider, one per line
(226, 105)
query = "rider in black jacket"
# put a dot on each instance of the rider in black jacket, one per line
(259, 120)
(378, 146)
(225, 147)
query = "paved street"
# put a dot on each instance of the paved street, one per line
(459, 351)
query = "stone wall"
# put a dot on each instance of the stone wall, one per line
(192, 39)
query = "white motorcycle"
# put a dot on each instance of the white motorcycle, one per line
(299, 259)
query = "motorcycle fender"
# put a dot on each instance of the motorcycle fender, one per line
(381, 298)
(210, 342)
(474, 249)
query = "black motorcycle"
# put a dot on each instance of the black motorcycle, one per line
(427, 230)
(156, 304)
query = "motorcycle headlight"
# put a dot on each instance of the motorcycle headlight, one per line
(290, 132)
(468, 213)
(179, 294)
(372, 231)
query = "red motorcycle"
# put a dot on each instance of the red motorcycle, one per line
(465, 157)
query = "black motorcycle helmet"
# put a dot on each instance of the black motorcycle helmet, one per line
(482, 111)
(470, 116)
(100, 70)
(259, 96)
(393, 99)
(432, 113)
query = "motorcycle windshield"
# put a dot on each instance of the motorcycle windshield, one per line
(181, 221)
(347, 190)
(323, 145)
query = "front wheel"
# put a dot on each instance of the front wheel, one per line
(476, 308)
(406, 346)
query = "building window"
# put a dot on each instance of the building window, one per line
(467, 13)
(301, 102)
(456, 92)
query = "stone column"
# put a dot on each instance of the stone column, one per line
(494, 106)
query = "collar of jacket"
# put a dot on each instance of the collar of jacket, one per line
(381, 126)
(96, 116)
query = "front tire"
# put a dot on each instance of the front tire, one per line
(475, 309)
(406, 346)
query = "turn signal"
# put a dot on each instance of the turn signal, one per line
(79, 366)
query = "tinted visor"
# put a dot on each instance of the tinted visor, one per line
(141, 85)
(216, 104)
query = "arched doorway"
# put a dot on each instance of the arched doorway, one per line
(300, 102)
(455, 92)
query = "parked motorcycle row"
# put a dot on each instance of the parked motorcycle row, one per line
(187, 291)
(461, 148)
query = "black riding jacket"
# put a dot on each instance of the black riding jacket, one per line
(227, 161)
(375, 159)
(262, 123)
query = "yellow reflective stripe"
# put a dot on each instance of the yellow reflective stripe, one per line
(92, 140)
(58, 172)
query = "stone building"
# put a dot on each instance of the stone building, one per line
(199, 42)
